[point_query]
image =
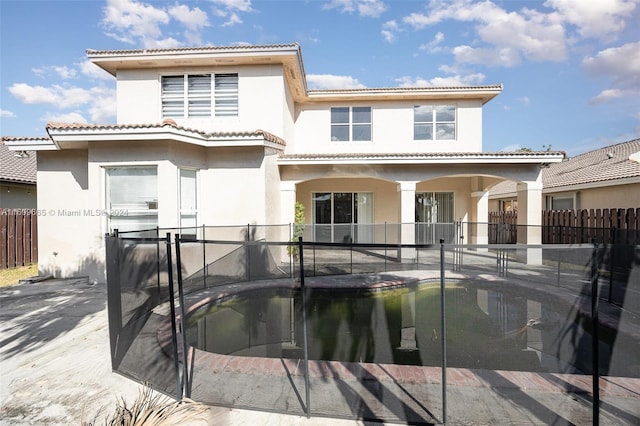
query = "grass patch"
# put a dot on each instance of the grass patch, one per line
(12, 276)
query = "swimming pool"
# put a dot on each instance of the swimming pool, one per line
(487, 328)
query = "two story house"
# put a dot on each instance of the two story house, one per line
(233, 135)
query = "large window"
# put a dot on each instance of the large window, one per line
(192, 96)
(343, 217)
(434, 122)
(132, 198)
(351, 124)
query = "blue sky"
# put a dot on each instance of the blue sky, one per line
(570, 68)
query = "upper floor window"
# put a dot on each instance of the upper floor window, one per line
(351, 124)
(434, 122)
(190, 96)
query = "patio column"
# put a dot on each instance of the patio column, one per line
(407, 218)
(530, 220)
(482, 217)
(287, 208)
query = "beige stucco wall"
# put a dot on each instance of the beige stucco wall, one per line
(17, 196)
(235, 186)
(615, 196)
(261, 99)
(392, 129)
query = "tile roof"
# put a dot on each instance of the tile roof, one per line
(16, 169)
(497, 154)
(606, 164)
(408, 89)
(195, 49)
(166, 123)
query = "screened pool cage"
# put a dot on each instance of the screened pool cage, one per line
(430, 333)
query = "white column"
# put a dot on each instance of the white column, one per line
(530, 220)
(482, 217)
(407, 217)
(288, 201)
(287, 210)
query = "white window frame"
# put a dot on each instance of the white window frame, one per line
(202, 103)
(434, 122)
(188, 212)
(111, 211)
(351, 124)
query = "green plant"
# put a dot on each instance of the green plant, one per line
(298, 229)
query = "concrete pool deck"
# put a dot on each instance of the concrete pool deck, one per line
(55, 369)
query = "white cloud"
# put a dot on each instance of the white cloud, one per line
(69, 117)
(621, 65)
(508, 35)
(434, 45)
(389, 30)
(601, 18)
(330, 81)
(239, 5)
(230, 10)
(455, 80)
(93, 71)
(63, 72)
(6, 113)
(131, 21)
(193, 19)
(367, 8)
(525, 101)
(99, 101)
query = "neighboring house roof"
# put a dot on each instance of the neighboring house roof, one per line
(73, 133)
(611, 165)
(14, 168)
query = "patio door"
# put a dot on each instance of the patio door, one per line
(434, 217)
(343, 217)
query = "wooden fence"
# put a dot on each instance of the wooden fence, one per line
(18, 238)
(573, 226)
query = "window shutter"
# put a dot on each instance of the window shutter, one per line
(226, 95)
(199, 98)
(173, 96)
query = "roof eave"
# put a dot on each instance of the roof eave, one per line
(67, 138)
(449, 159)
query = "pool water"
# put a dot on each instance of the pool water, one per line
(485, 327)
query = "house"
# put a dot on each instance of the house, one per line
(607, 177)
(233, 135)
(17, 179)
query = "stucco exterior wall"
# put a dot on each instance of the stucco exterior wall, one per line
(616, 196)
(261, 99)
(17, 196)
(235, 186)
(392, 129)
(69, 239)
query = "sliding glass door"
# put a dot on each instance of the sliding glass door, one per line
(343, 217)
(434, 217)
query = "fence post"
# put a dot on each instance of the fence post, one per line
(443, 333)
(172, 305)
(595, 339)
(183, 329)
(612, 244)
(303, 292)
